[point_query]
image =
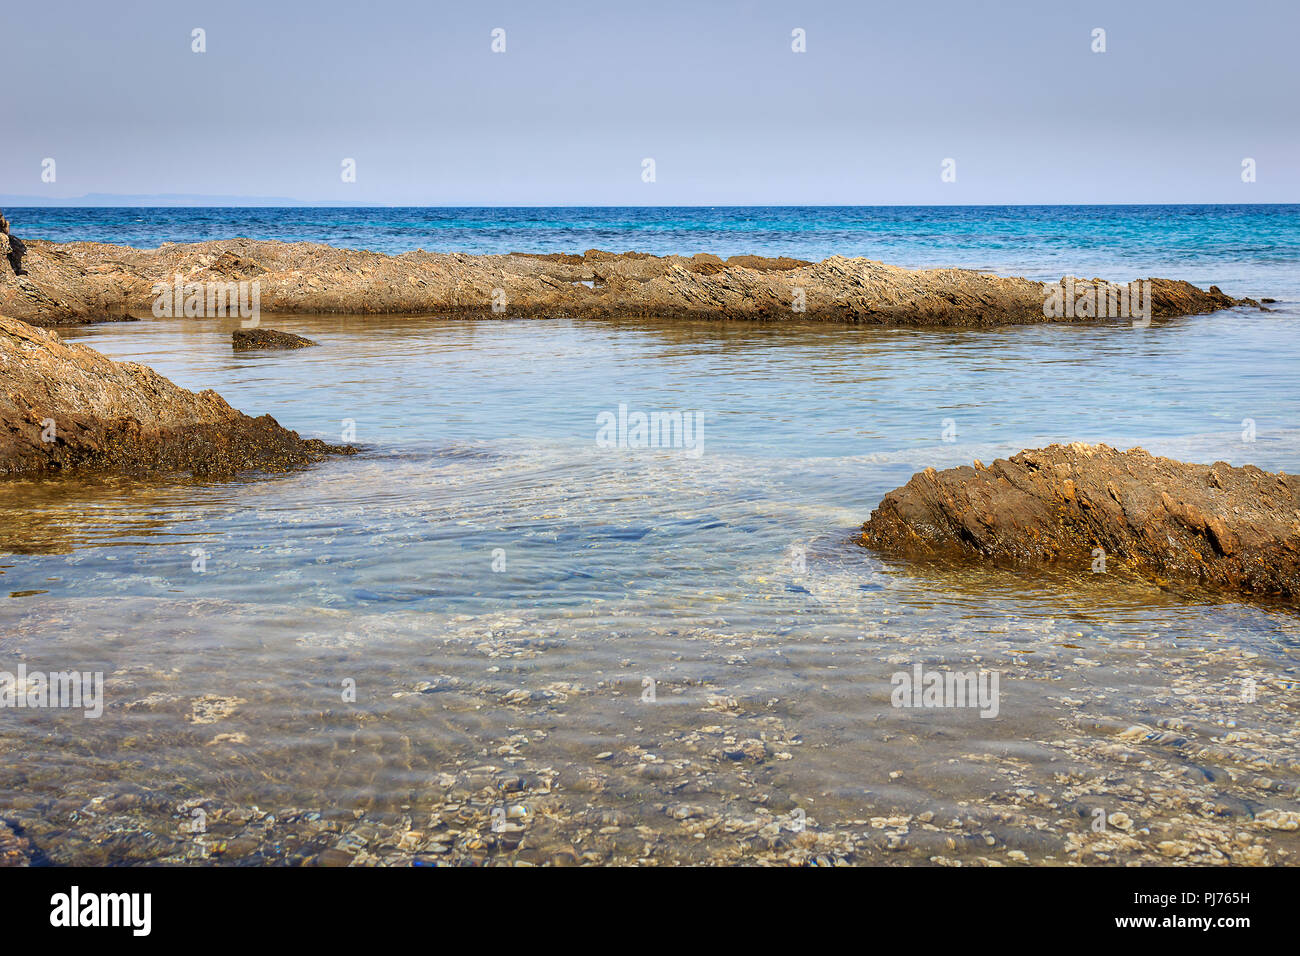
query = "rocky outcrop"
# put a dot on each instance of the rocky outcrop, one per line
(248, 340)
(1232, 529)
(51, 288)
(67, 407)
(88, 281)
(12, 249)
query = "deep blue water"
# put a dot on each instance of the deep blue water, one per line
(1246, 249)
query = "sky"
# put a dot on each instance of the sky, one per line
(713, 92)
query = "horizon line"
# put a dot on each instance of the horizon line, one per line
(252, 202)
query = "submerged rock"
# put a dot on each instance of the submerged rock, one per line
(89, 281)
(14, 850)
(246, 340)
(65, 406)
(1233, 529)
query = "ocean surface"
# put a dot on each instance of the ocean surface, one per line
(1232, 245)
(488, 637)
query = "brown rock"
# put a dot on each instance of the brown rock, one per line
(233, 266)
(12, 249)
(65, 406)
(89, 281)
(245, 340)
(1232, 529)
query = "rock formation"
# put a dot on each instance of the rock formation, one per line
(1232, 529)
(12, 249)
(67, 407)
(247, 340)
(89, 281)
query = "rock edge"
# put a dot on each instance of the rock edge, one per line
(81, 282)
(1233, 529)
(65, 407)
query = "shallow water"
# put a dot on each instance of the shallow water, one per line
(726, 581)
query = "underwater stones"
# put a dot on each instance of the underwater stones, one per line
(14, 850)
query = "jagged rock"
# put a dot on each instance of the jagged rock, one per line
(233, 266)
(246, 340)
(64, 406)
(89, 281)
(1232, 529)
(12, 249)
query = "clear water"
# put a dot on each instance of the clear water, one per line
(627, 567)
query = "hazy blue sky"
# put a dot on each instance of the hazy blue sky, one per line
(711, 91)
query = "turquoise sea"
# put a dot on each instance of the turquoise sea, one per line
(1230, 245)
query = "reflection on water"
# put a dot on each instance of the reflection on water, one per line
(562, 652)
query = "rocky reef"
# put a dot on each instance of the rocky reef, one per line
(67, 407)
(1231, 529)
(77, 282)
(248, 340)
